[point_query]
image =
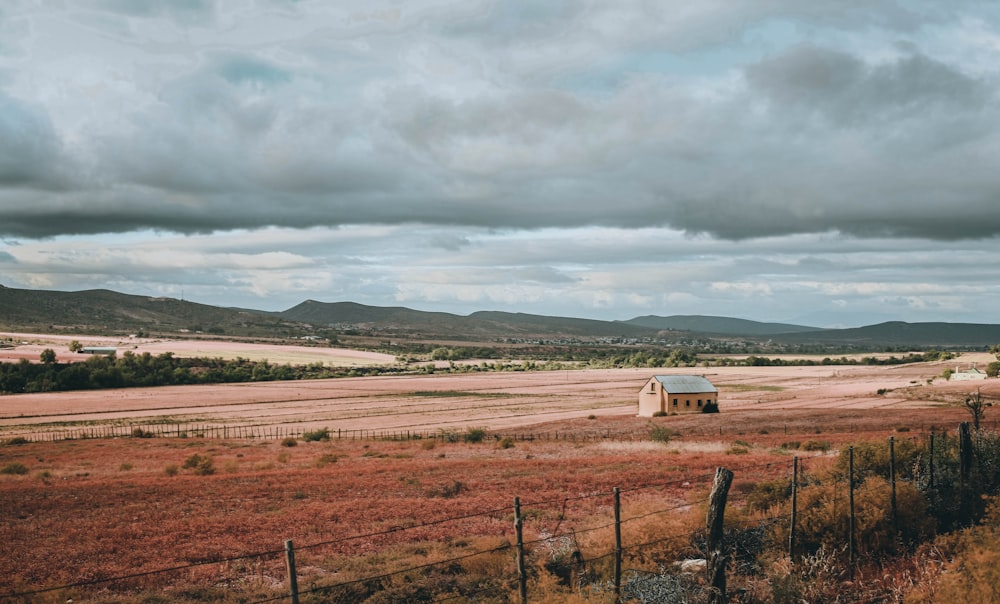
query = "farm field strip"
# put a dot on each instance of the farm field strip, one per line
(355, 415)
(483, 399)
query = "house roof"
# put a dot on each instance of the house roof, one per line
(684, 384)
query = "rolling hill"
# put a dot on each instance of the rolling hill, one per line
(718, 325)
(109, 312)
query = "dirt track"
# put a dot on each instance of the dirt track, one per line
(490, 400)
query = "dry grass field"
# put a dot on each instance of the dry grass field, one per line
(493, 400)
(29, 346)
(84, 511)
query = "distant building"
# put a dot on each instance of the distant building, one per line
(972, 373)
(108, 350)
(675, 394)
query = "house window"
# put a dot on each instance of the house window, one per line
(699, 402)
(675, 402)
(687, 403)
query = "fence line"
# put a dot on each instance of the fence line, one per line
(280, 551)
(794, 468)
(277, 432)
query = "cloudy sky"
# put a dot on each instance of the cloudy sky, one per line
(831, 162)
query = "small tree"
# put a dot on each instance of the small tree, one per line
(48, 356)
(977, 408)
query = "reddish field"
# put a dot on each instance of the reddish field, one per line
(87, 510)
(498, 401)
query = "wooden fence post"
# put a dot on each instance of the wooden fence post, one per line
(850, 490)
(930, 483)
(795, 498)
(618, 545)
(717, 559)
(892, 483)
(522, 575)
(293, 581)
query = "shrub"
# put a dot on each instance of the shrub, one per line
(289, 441)
(17, 440)
(710, 407)
(14, 468)
(659, 414)
(661, 434)
(769, 493)
(140, 433)
(448, 436)
(824, 517)
(591, 416)
(506, 442)
(326, 459)
(428, 444)
(447, 490)
(172, 470)
(872, 457)
(202, 465)
(474, 435)
(125, 467)
(792, 444)
(816, 445)
(316, 435)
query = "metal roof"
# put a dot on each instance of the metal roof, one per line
(685, 384)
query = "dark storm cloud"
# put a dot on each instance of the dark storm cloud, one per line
(429, 116)
(30, 149)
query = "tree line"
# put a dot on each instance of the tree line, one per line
(137, 370)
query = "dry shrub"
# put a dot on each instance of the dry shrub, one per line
(202, 465)
(818, 577)
(15, 468)
(973, 573)
(824, 517)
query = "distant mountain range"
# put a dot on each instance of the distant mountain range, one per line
(109, 312)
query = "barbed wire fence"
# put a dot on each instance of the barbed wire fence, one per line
(572, 545)
(561, 541)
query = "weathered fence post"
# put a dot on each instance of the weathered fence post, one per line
(293, 581)
(618, 545)
(965, 466)
(522, 575)
(850, 482)
(795, 499)
(717, 559)
(892, 483)
(930, 481)
(965, 450)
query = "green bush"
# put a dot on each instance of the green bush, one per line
(872, 458)
(316, 435)
(661, 434)
(506, 442)
(769, 493)
(710, 407)
(816, 445)
(448, 436)
(289, 441)
(15, 468)
(474, 435)
(202, 465)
